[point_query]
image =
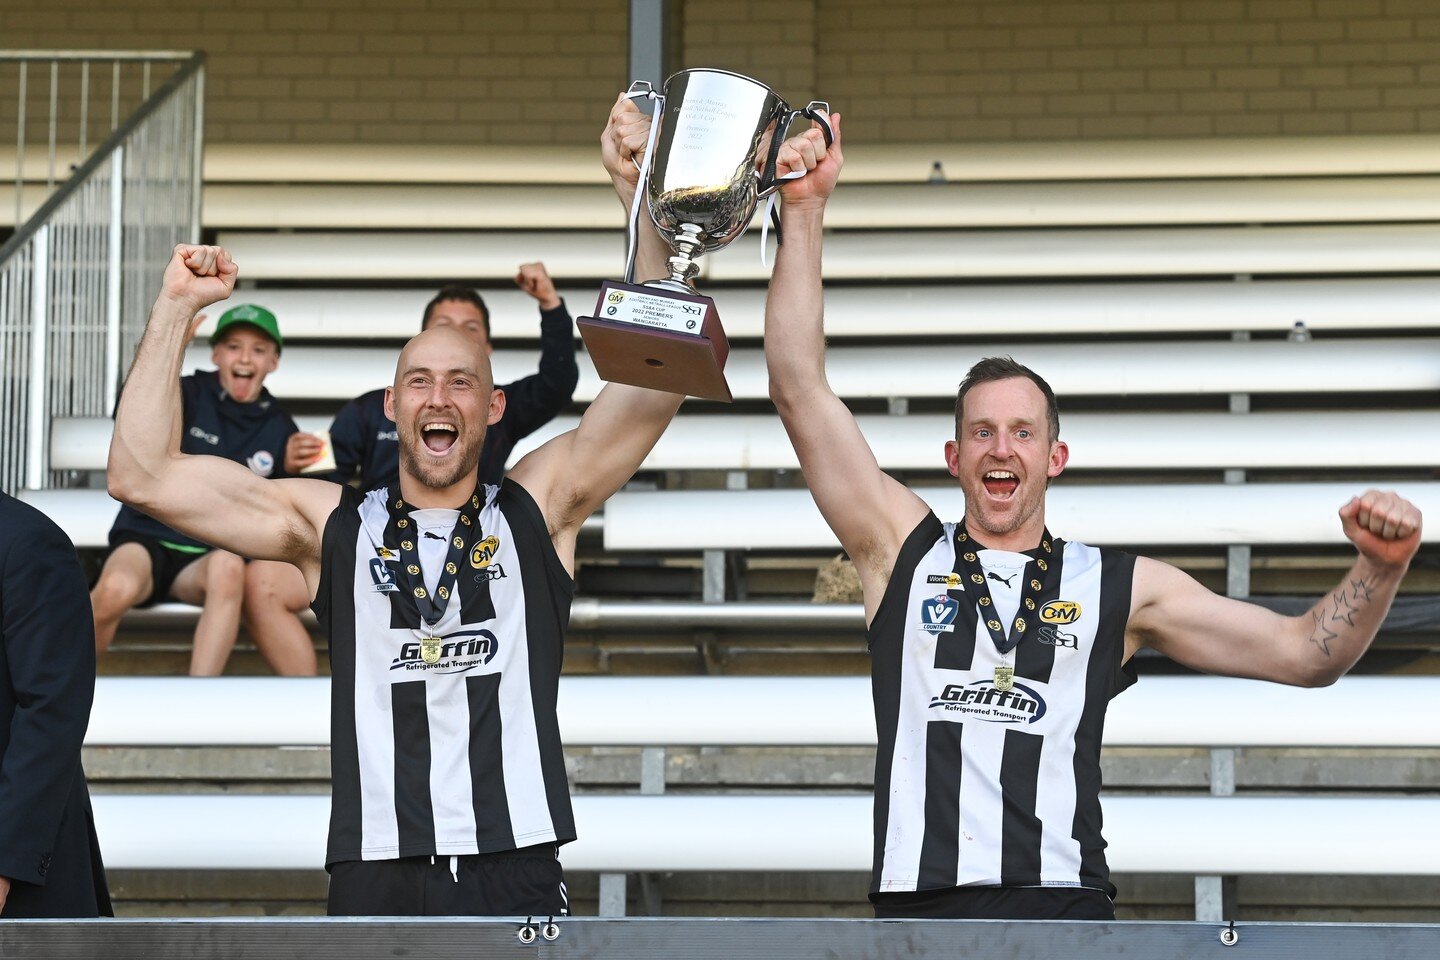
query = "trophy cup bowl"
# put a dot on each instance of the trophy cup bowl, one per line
(715, 142)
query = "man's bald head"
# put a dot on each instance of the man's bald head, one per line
(443, 348)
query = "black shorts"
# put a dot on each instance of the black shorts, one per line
(995, 903)
(528, 882)
(165, 564)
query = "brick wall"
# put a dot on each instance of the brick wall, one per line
(383, 71)
(544, 71)
(1021, 69)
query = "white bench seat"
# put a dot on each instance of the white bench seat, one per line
(859, 255)
(1109, 441)
(779, 711)
(1129, 514)
(1160, 157)
(1301, 514)
(1221, 835)
(942, 310)
(1167, 368)
(407, 206)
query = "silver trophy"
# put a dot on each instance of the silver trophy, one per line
(715, 142)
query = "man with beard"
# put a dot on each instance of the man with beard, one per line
(996, 646)
(363, 437)
(226, 412)
(444, 602)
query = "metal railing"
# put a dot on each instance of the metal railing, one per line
(77, 278)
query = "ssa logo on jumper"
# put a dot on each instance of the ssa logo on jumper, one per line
(982, 700)
(452, 653)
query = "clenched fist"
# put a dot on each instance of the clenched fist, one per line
(533, 279)
(198, 276)
(1384, 526)
(622, 145)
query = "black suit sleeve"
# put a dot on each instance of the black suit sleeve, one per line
(533, 401)
(49, 640)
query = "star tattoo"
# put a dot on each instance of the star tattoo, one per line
(1322, 635)
(1344, 611)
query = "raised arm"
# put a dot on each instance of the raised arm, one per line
(869, 511)
(533, 401)
(1177, 616)
(210, 498)
(573, 474)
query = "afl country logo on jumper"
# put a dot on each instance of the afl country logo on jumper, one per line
(384, 579)
(484, 552)
(937, 614)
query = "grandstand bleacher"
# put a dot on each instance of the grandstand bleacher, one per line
(1153, 283)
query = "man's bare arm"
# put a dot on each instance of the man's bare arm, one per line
(870, 512)
(573, 474)
(209, 498)
(1180, 618)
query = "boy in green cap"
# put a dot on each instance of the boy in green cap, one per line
(229, 413)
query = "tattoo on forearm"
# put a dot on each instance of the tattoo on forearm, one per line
(1341, 607)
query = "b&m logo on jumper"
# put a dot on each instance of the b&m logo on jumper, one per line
(483, 552)
(1060, 611)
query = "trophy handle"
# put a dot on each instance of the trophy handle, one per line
(817, 110)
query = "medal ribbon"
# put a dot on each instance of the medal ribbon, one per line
(402, 536)
(1036, 573)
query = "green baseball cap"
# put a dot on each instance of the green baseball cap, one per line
(257, 317)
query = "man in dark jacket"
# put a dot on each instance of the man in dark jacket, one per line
(49, 858)
(364, 439)
(228, 413)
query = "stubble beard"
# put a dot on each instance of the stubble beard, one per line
(1001, 524)
(439, 476)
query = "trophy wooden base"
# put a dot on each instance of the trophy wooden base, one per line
(658, 339)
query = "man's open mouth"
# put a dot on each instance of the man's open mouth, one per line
(1001, 483)
(439, 437)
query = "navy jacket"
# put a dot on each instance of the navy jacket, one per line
(364, 438)
(250, 433)
(48, 847)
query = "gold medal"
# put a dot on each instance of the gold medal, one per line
(430, 649)
(1004, 678)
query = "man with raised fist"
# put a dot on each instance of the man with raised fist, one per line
(444, 600)
(996, 645)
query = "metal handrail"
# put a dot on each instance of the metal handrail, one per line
(195, 62)
(76, 278)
